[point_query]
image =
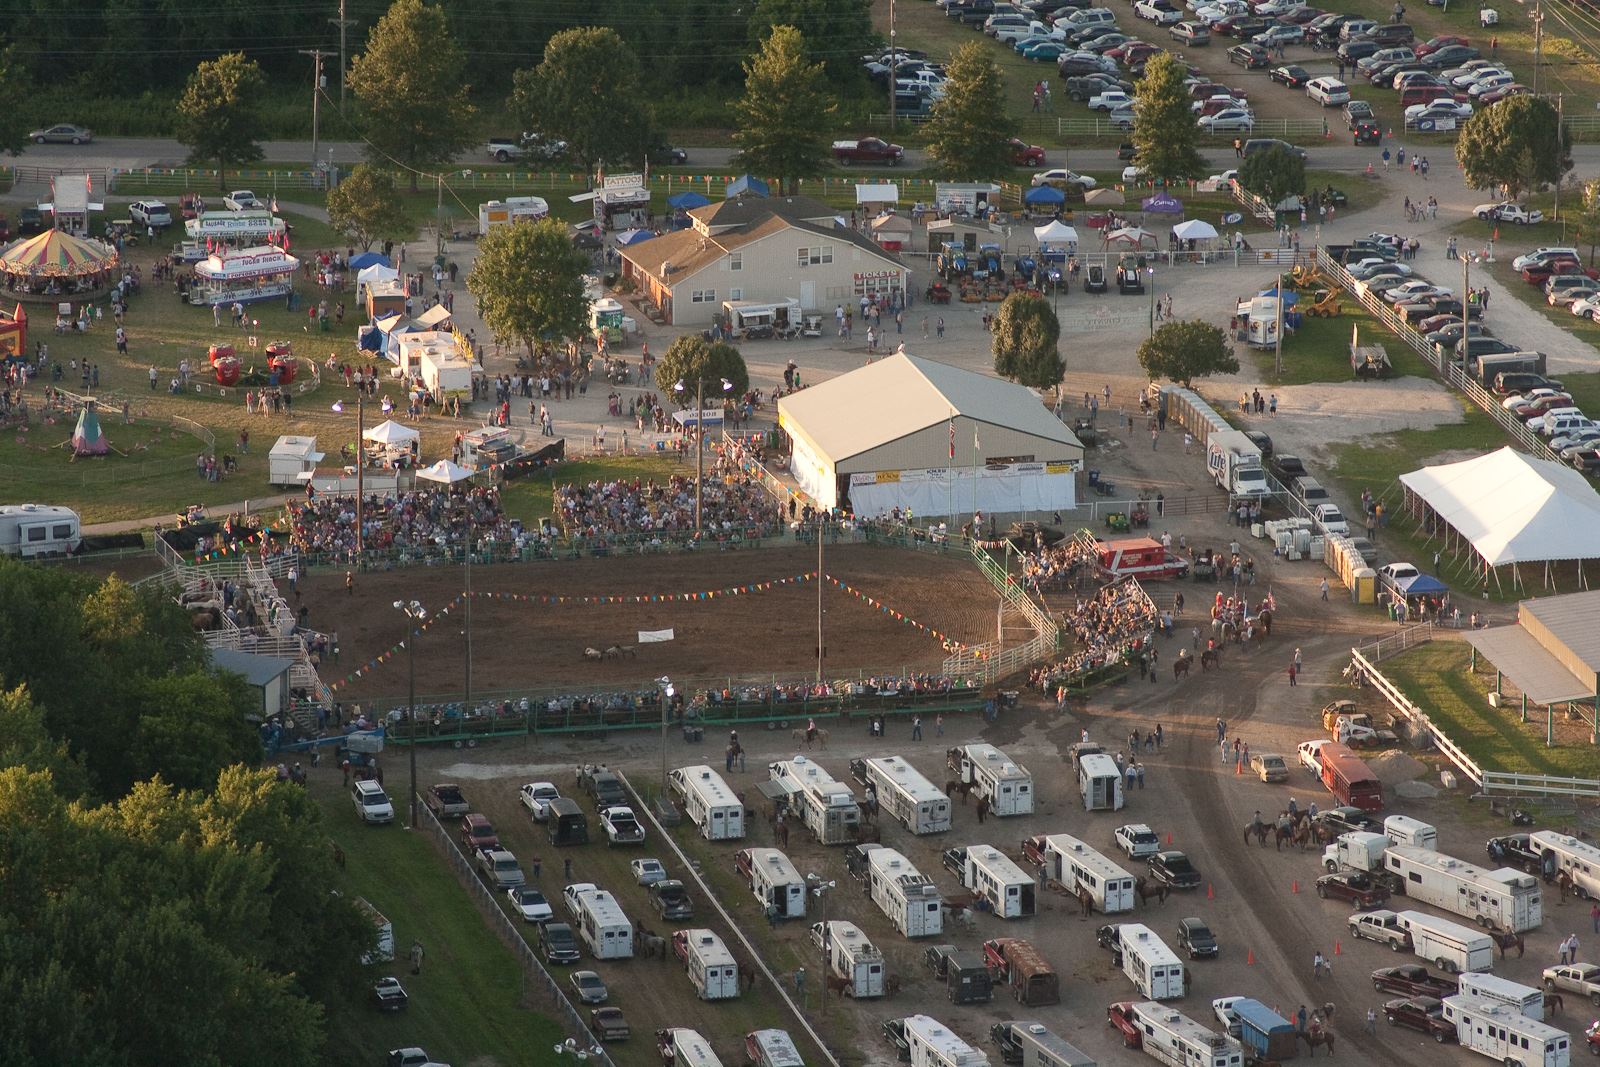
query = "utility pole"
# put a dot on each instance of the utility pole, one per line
(344, 25)
(1277, 348)
(821, 581)
(1538, 43)
(318, 55)
(892, 68)
(1555, 208)
(438, 216)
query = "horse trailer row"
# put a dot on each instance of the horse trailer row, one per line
(850, 956)
(774, 880)
(910, 900)
(1080, 869)
(1504, 899)
(709, 803)
(904, 793)
(1176, 1040)
(1035, 1045)
(826, 807)
(995, 777)
(712, 968)
(929, 1043)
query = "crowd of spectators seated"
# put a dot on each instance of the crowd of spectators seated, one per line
(1116, 621)
(420, 522)
(1059, 565)
(633, 509)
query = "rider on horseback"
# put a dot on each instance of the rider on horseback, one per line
(1256, 825)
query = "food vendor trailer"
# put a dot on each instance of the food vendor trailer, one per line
(243, 276)
(252, 226)
(511, 209)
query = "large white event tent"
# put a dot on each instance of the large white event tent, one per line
(1509, 508)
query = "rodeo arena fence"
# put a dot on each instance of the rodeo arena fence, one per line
(1364, 662)
(991, 662)
(536, 980)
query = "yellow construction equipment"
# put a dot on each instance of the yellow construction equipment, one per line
(1326, 305)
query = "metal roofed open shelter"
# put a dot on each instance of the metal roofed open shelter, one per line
(1551, 654)
(913, 433)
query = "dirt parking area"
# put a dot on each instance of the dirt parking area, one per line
(522, 644)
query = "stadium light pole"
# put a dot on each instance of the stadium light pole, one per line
(1152, 271)
(700, 438)
(822, 890)
(361, 466)
(667, 692)
(415, 613)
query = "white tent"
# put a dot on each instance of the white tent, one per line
(444, 471)
(1055, 232)
(375, 273)
(1512, 508)
(1194, 230)
(391, 433)
(884, 193)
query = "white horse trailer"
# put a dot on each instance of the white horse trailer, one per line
(1100, 782)
(1404, 830)
(1580, 860)
(1150, 965)
(1078, 867)
(904, 793)
(850, 956)
(1503, 1033)
(1451, 947)
(932, 1044)
(1503, 899)
(775, 881)
(710, 804)
(828, 808)
(712, 968)
(910, 900)
(1178, 1041)
(604, 927)
(683, 1047)
(990, 873)
(1526, 999)
(995, 777)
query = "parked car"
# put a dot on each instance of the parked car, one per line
(536, 797)
(1292, 75)
(1137, 840)
(589, 987)
(621, 826)
(608, 1024)
(1506, 210)
(530, 904)
(1580, 978)
(1196, 939)
(61, 133)
(150, 213)
(477, 832)
(1119, 1017)
(1249, 56)
(647, 871)
(1228, 120)
(894, 1032)
(557, 944)
(1425, 1014)
(1190, 33)
(1269, 766)
(1024, 154)
(1345, 820)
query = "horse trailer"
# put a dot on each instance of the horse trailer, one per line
(827, 808)
(771, 1048)
(1503, 1033)
(1562, 853)
(1404, 830)
(1526, 999)
(566, 823)
(990, 874)
(850, 956)
(682, 1047)
(1042, 1048)
(774, 880)
(29, 530)
(710, 804)
(932, 1044)
(1503, 899)
(1266, 1033)
(712, 968)
(604, 927)
(1152, 967)
(910, 900)
(1100, 782)
(904, 793)
(1080, 868)
(995, 777)
(1032, 981)
(1451, 947)
(1178, 1041)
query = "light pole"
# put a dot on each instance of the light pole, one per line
(700, 436)
(415, 613)
(361, 465)
(1151, 270)
(821, 581)
(667, 693)
(820, 890)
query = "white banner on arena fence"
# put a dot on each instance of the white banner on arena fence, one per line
(653, 637)
(998, 487)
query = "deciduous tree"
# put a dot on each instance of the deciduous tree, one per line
(1588, 216)
(1165, 137)
(969, 125)
(218, 115)
(366, 207)
(411, 86)
(528, 279)
(587, 91)
(14, 92)
(1026, 335)
(1184, 351)
(1274, 175)
(1519, 144)
(822, 23)
(691, 358)
(784, 115)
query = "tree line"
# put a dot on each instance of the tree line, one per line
(160, 901)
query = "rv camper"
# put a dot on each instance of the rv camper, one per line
(29, 530)
(826, 807)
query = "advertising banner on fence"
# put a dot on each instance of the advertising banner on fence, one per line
(998, 487)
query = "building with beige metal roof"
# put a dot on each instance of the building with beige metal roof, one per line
(912, 433)
(1551, 655)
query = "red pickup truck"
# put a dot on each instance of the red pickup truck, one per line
(1413, 980)
(868, 150)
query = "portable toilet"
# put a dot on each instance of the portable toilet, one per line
(1364, 589)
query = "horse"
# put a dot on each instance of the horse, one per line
(1265, 619)
(953, 786)
(654, 945)
(1565, 884)
(1085, 901)
(594, 655)
(1180, 668)
(952, 759)
(801, 735)
(747, 976)
(842, 986)
(1210, 658)
(1304, 835)
(1145, 891)
(1509, 939)
(782, 833)
(1260, 831)
(618, 651)
(1317, 1036)
(891, 985)
(1283, 831)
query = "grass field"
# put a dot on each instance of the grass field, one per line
(467, 1005)
(1319, 351)
(1436, 678)
(533, 498)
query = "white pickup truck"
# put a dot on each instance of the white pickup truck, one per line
(528, 146)
(242, 200)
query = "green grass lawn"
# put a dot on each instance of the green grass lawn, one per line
(467, 1005)
(533, 498)
(1319, 351)
(1436, 678)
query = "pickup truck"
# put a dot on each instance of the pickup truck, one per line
(528, 146)
(602, 785)
(954, 860)
(671, 900)
(1110, 101)
(1380, 926)
(868, 150)
(446, 800)
(500, 868)
(1580, 978)
(1413, 980)
(621, 827)
(241, 200)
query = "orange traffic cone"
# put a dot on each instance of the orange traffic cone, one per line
(1209, 894)
(1250, 956)
(1336, 948)
(1238, 766)
(1169, 838)
(1294, 886)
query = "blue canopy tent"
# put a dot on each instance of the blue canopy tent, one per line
(1420, 585)
(634, 237)
(1045, 195)
(687, 199)
(369, 259)
(1290, 297)
(745, 185)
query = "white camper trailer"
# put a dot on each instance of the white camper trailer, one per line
(1078, 867)
(1178, 1041)
(1404, 830)
(1004, 783)
(709, 803)
(29, 530)
(775, 881)
(1526, 999)
(932, 1044)
(905, 794)
(1503, 899)
(511, 209)
(1561, 852)
(771, 1048)
(910, 900)
(990, 873)
(850, 956)
(682, 1047)
(1453, 948)
(1154, 969)
(826, 807)
(1504, 1034)
(292, 461)
(1042, 1048)
(712, 968)
(603, 926)
(1100, 782)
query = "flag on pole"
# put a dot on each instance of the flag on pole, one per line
(952, 437)
(975, 445)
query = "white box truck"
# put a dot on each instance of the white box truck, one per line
(1150, 965)
(1451, 947)
(1502, 1033)
(1235, 463)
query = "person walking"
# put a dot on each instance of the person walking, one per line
(1372, 1021)
(1324, 589)
(1293, 672)
(1316, 967)
(916, 728)
(350, 583)
(416, 957)
(1594, 917)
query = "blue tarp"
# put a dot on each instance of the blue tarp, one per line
(368, 259)
(1290, 297)
(633, 237)
(685, 200)
(746, 186)
(1044, 194)
(1263, 1029)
